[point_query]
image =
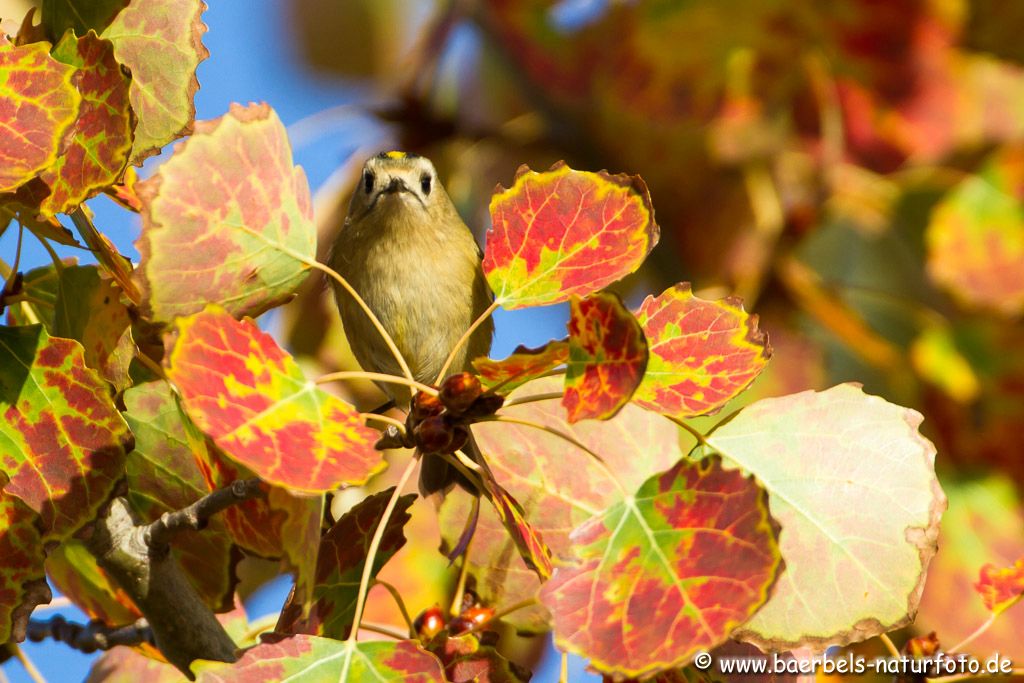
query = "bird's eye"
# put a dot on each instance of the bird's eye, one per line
(368, 182)
(425, 184)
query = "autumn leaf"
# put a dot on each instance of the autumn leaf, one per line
(304, 657)
(65, 440)
(101, 137)
(975, 238)
(521, 366)
(89, 309)
(565, 232)
(1001, 587)
(163, 476)
(702, 353)
(160, 41)
(667, 572)
(467, 660)
(73, 570)
(558, 485)
(39, 103)
(252, 399)
(607, 357)
(227, 219)
(22, 549)
(339, 567)
(835, 463)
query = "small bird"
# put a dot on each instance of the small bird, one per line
(414, 262)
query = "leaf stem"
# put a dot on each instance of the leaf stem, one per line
(386, 419)
(889, 645)
(515, 607)
(465, 338)
(376, 377)
(978, 632)
(101, 249)
(30, 668)
(151, 365)
(563, 676)
(536, 398)
(374, 320)
(333, 274)
(398, 601)
(384, 630)
(460, 586)
(371, 554)
(701, 439)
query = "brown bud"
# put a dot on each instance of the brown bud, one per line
(487, 404)
(433, 435)
(471, 619)
(429, 623)
(460, 391)
(424, 405)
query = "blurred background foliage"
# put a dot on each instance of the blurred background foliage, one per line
(854, 169)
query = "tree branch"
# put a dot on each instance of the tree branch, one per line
(196, 516)
(137, 557)
(91, 637)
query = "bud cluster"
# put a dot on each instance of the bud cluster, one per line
(440, 424)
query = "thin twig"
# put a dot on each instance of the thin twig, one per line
(89, 637)
(195, 516)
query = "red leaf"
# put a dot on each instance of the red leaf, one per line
(252, 399)
(521, 366)
(65, 440)
(607, 357)
(702, 353)
(101, 137)
(667, 573)
(1001, 587)
(565, 232)
(38, 104)
(22, 550)
(228, 219)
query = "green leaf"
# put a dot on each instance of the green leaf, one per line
(78, 15)
(852, 482)
(310, 659)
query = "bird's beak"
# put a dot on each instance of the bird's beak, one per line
(396, 185)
